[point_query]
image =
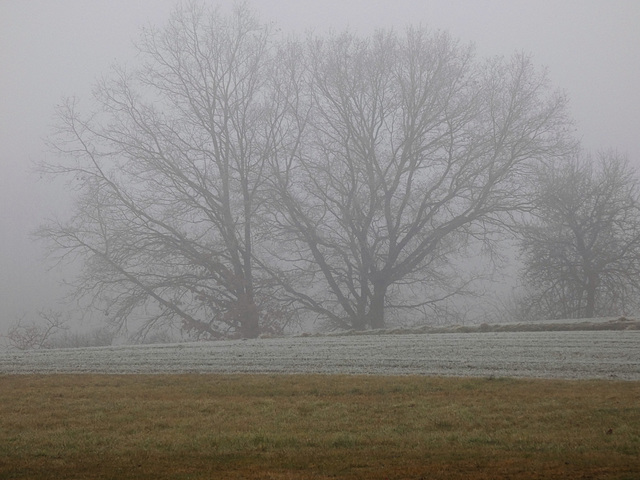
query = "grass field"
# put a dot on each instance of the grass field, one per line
(316, 427)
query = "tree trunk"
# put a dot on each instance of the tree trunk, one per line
(376, 311)
(248, 317)
(360, 321)
(250, 325)
(592, 287)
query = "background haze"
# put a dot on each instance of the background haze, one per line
(53, 49)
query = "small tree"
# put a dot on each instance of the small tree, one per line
(581, 250)
(36, 334)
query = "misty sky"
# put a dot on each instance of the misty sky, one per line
(50, 49)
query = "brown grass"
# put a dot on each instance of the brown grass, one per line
(316, 427)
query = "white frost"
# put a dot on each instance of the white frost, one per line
(580, 354)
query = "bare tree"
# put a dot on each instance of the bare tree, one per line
(232, 178)
(169, 168)
(36, 335)
(410, 149)
(582, 249)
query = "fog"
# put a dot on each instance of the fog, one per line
(53, 49)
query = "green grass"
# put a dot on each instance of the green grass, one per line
(316, 427)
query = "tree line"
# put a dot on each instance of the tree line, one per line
(236, 180)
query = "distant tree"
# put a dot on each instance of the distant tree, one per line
(581, 249)
(411, 149)
(37, 334)
(169, 170)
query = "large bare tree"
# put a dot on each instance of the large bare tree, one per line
(581, 250)
(411, 147)
(169, 168)
(231, 177)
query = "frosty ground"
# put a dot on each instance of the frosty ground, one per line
(548, 354)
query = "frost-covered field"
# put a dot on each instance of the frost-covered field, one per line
(580, 354)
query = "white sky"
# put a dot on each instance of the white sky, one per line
(49, 49)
